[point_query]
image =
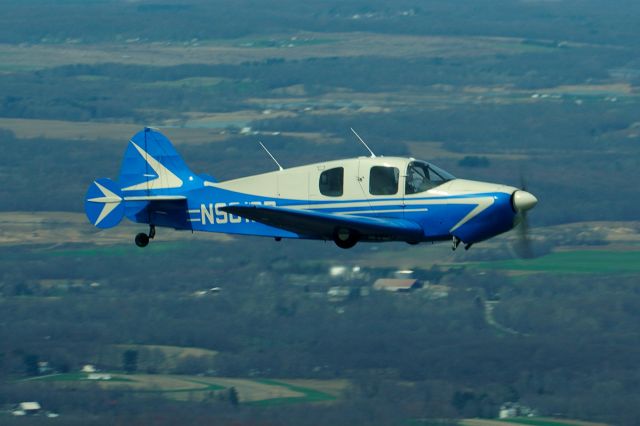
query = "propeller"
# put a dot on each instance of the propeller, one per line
(523, 201)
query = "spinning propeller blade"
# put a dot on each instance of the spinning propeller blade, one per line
(523, 246)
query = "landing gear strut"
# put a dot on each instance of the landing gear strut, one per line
(142, 239)
(456, 242)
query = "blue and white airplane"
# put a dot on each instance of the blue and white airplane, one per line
(347, 201)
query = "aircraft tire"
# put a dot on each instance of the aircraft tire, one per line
(345, 238)
(142, 240)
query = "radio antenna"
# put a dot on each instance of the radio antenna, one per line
(272, 157)
(363, 143)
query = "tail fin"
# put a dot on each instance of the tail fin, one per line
(104, 204)
(152, 166)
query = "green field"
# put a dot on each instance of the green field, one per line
(578, 261)
(310, 395)
(74, 377)
(176, 387)
(535, 421)
(206, 387)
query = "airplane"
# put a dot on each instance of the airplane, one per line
(365, 199)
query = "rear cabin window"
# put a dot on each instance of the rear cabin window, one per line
(383, 180)
(332, 182)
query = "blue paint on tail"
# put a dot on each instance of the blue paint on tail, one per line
(152, 166)
(104, 204)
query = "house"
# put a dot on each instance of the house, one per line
(397, 284)
(346, 273)
(336, 271)
(88, 368)
(27, 409)
(507, 412)
(44, 368)
(515, 409)
(403, 274)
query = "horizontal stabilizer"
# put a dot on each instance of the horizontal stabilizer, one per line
(104, 203)
(322, 225)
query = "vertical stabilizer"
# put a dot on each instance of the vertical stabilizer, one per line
(152, 166)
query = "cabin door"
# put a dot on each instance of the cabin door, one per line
(381, 185)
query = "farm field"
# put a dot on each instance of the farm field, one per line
(195, 128)
(182, 387)
(57, 228)
(40, 56)
(532, 421)
(576, 261)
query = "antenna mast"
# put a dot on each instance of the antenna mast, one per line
(272, 157)
(363, 142)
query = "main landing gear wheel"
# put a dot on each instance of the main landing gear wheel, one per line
(345, 238)
(142, 239)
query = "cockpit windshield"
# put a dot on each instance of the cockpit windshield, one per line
(423, 176)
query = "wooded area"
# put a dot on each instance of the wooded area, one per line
(537, 93)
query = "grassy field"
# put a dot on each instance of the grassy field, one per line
(576, 261)
(75, 377)
(56, 228)
(308, 394)
(68, 130)
(198, 128)
(263, 392)
(40, 56)
(331, 387)
(533, 421)
(172, 351)
(544, 421)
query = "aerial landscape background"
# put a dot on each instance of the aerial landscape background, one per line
(215, 329)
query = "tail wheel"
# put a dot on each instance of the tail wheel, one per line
(345, 238)
(142, 240)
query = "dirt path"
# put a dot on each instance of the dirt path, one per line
(489, 306)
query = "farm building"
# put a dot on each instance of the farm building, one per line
(396, 284)
(27, 409)
(514, 409)
(88, 368)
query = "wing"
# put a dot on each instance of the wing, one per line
(323, 225)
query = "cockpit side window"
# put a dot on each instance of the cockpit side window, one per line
(383, 180)
(423, 176)
(332, 182)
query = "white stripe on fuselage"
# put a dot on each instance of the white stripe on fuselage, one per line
(483, 203)
(367, 206)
